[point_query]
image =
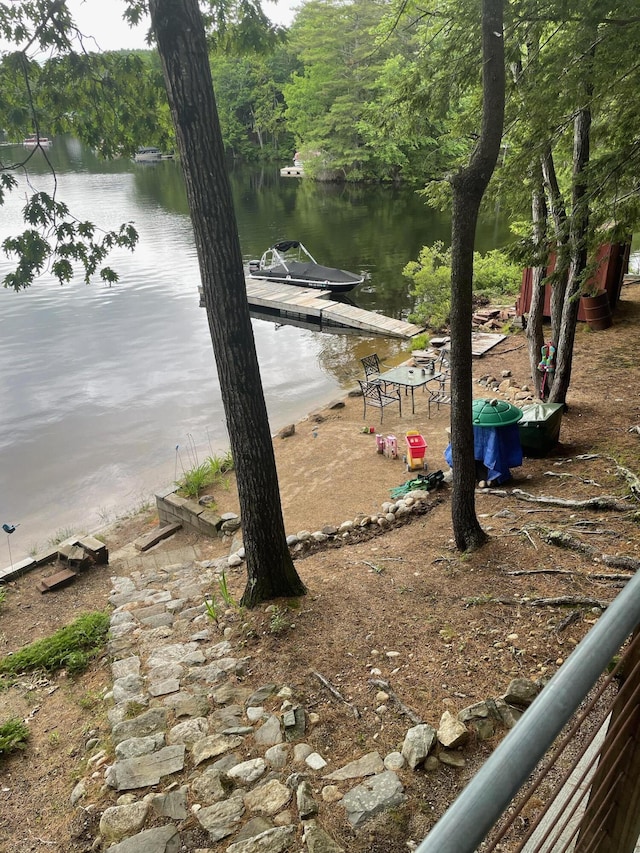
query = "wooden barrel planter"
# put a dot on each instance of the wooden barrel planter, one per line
(597, 311)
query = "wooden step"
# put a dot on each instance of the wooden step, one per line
(143, 543)
(60, 579)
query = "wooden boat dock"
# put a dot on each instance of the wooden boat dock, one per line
(317, 306)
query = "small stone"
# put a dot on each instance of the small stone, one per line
(315, 761)
(394, 761)
(331, 794)
(452, 759)
(301, 751)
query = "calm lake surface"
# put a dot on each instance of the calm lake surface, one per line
(107, 394)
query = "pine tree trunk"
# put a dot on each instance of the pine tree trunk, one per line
(578, 241)
(469, 185)
(561, 228)
(535, 335)
(180, 35)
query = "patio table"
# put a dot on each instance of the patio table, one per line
(409, 378)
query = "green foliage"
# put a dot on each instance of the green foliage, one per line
(3, 595)
(279, 620)
(195, 479)
(206, 475)
(211, 602)
(431, 277)
(211, 606)
(90, 700)
(13, 735)
(225, 592)
(60, 242)
(72, 647)
(494, 276)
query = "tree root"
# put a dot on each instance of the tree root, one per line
(600, 502)
(566, 540)
(632, 480)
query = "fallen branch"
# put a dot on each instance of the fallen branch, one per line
(601, 502)
(518, 572)
(528, 535)
(336, 693)
(384, 685)
(512, 349)
(567, 601)
(568, 620)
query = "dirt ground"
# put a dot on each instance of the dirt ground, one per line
(406, 590)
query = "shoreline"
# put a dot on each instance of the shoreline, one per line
(123, 509)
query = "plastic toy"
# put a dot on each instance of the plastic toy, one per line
(547, 366)
(391, 447)
(416, 450)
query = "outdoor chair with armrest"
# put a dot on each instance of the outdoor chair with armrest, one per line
(440, 395)
(374, 395)
(371, 364)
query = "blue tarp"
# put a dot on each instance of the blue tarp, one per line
(498, 448)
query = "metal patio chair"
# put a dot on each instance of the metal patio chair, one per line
(374, 395)
(439, 396)
(371, 365)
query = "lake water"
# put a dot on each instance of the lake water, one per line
(106, 394)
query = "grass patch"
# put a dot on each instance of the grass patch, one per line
(13, 735)
(207, 475)
(72, 647)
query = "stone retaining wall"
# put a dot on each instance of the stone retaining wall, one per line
(173, 508)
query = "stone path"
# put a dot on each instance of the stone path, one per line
(203, 762)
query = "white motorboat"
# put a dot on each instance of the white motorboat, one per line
(289, 262)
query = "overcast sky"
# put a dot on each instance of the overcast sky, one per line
(102, 19)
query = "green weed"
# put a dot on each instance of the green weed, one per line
(3, 595)
(195, 479)
(13, 735)
(134, 709)
(72, 647)
(279, 620)
(211, 606)
(207, 475)
(60, 535)
(225, 592)
(90, 700)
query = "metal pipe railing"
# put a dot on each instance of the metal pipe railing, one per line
(469, 819)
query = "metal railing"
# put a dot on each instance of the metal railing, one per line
(480, 806)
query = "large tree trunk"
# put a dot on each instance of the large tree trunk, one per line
(469, 185)
(182, 46)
